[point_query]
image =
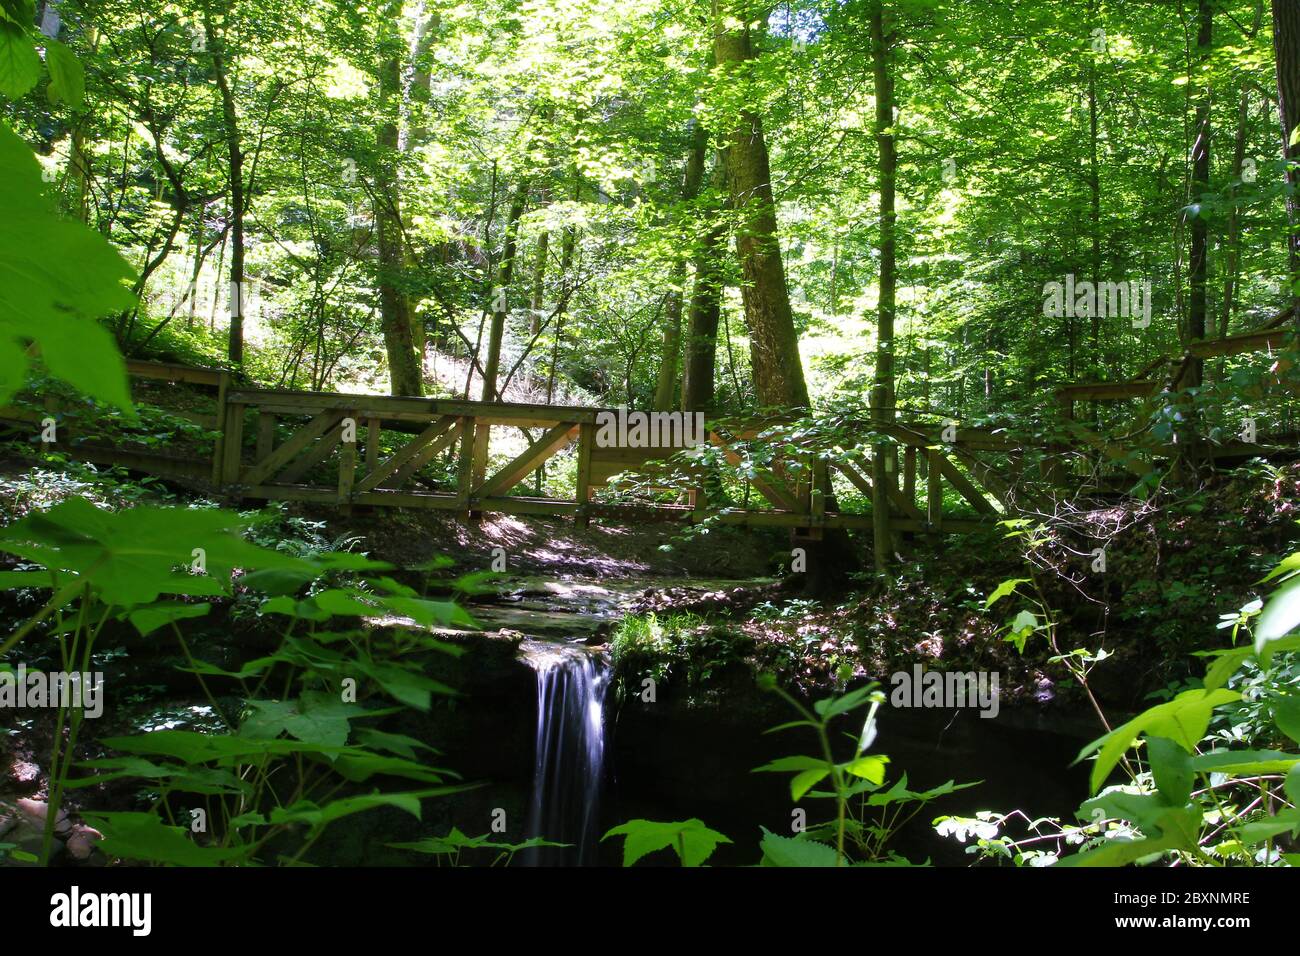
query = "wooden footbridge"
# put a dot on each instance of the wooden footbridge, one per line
(200, 426)
(381, 451)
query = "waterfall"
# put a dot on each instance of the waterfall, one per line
(569, 768)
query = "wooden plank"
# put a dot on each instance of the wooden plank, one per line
(398, 407)
(423, 457)
(527, 461)
(171, 372)
(582, 490)
(1107, 391)
(374, 426)
(265, 434)
(1257, 341)
(322, 449)
(377, 475)
(863, 484)
(268, 467)
(465, 467)
(909, 472)
(934, 490)
(818, 482)
(964, 486)
(232, 440)
(347, 464)
(219, 445)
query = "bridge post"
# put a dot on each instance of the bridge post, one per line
(465, 469)
(934, 491)
(582, 492)
(218, 446)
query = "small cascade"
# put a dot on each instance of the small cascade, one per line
(569, 770)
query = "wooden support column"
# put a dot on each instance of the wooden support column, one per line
(265, 434)
(582, 491)
(347, 461)
(465, 468)
(233, 438)
(218, 447)
(909, 473)
(819, 481)
(373, 429)
(934, 491)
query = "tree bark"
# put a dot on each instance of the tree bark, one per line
(405, 368)
(1198, 257)
(705, 310)
(1286, 47)
(773, 342)
(670, 356)
(238, 203)
(882, 393)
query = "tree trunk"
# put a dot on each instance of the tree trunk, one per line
(1286, 46)
(882, 392)
(500, 294)
(773, 342)
(1198, 257)
(670, 358)
(238, 203)
(705, 310)
(405, 368)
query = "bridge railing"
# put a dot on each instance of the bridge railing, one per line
(385, 451)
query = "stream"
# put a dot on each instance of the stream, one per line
(592, 760)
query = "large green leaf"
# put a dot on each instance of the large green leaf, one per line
(57, 277)
(1183, 720)
(20, 67)
(144, 836)
(67, 78)
(129, 556)
(691, 840)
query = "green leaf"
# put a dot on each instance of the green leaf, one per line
(57, 277)
(1280, 616)
(143, 836)
(1286, 714)
(795, 851)
(1003, 590)
(868, 768)
(691, 840)
(67, 78)
(20, 67)
(1172, 770)
(1183, 719)
(149, 619)
(1176, 828)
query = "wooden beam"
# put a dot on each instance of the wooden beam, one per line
(424, 456)
(527, 462)
(863, 484)
(582, 488)
(964, 486)
(381, 472)
(268, 467)
(934, 489)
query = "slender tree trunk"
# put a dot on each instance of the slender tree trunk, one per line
(1232, 263)
(670, 357)
(501, 294)
(405, 368)
(1286, 47)
(1198, 256)
(705, 310)
(774, 343)
(884, 477)
(238, 203)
